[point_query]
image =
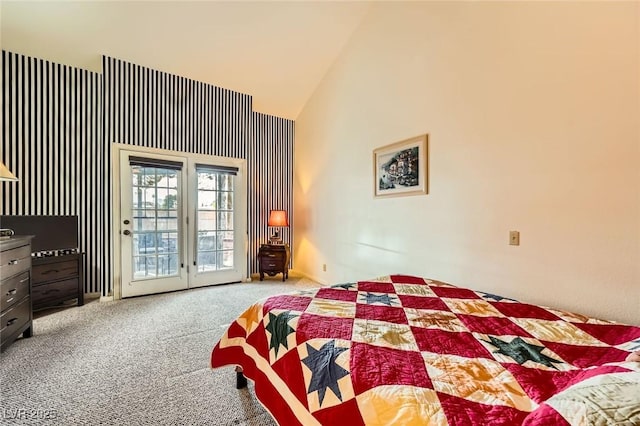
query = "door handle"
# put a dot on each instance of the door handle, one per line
(126, 232)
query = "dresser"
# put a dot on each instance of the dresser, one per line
(274, 259)
(56, 279)
(16, 315)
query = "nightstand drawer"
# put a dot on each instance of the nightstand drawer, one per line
(272, 258)
(14, 261)
(272, 266)
(15, 318)
(60, 290)
(54, 271)
(13, 290)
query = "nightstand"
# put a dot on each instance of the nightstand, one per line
(274, 259)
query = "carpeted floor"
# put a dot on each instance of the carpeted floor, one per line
(140, 361)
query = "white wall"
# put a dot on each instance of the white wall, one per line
(532, 111)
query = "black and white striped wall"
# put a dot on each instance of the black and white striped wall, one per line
(270, 178)
(52, 141)
(150, 108)
(59, 123)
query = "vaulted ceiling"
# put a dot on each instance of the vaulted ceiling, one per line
(278, 52)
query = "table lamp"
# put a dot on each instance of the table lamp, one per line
(277, 219)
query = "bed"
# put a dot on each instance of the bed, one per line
(408, 350)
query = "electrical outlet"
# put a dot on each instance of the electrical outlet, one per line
(324, 267)
(514, 238)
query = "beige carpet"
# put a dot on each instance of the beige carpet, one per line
(140, 361)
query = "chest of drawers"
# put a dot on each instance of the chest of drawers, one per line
(16, 315)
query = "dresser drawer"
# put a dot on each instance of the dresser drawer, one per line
(15, 318)
(54, 271)
(60, 290)
(13, 290)
(14, 261)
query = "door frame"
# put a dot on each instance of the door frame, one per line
(240, 200)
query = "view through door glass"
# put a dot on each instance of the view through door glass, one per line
(215, 227)
(155, 222)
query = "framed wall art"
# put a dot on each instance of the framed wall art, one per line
(401, 168)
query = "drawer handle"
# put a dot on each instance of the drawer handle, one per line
(24, 280)
(10, 300)
(11, 321)
(53, 290)
(12, 292)
(51, 271)
(13, 262)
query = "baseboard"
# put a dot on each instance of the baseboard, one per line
(309, 277)
(106, 298)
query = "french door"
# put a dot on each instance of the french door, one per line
(218, 231)
(181, 223)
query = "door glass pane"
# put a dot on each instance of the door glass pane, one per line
(215, 206)
(225, 200)
(225, 220)
(155, 222)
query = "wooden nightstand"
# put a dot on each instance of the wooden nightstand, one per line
(56, 279)
(274, 259)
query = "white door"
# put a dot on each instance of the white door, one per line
(152, 232)
(218, 252)
(183, 222)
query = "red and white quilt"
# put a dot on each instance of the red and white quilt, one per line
(407, 350)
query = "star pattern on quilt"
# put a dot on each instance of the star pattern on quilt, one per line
(325, 372)
(521, 351)
(309, 293)
(280, 329)
(378, 298)
(495, 297)
(346, 286)
(250, 317)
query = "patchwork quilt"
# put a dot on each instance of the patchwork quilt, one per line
(408, 350)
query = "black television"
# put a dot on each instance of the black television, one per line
(50, 233)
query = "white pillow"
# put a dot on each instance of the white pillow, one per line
(611, 398)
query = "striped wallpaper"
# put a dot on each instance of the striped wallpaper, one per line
(270, 178)
(52, 141)
(150, 108)
(58, 124)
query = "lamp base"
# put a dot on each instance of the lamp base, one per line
(274, 239)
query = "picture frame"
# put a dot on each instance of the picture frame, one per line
(402, 168)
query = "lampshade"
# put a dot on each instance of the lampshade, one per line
(5, 174)
(278, 218)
